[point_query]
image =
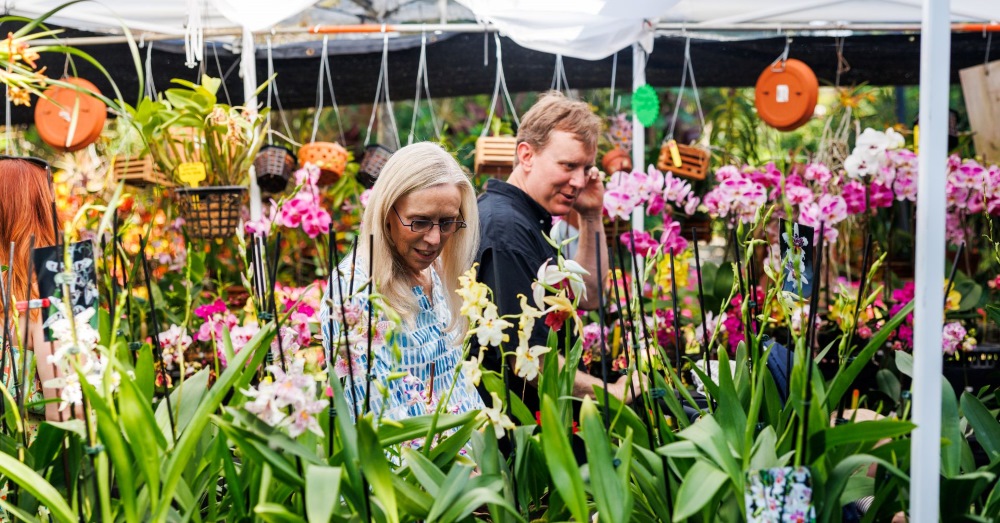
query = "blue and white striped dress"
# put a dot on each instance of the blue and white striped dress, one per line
(419, 343)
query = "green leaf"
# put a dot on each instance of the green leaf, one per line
(376, 469)
(612, 495)
(143, 433)
(275, 513)
(425, 471)
(518, 410)
(37, 486)
(563, 469)
(951, 431)
(322, 491)
(984, 425)
(701, 483)
(144, 373)
(866, 432)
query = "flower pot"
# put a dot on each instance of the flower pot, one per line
(615, 160)
(372, 163)
(274, 165)
(330, 157)
(210, 212)
(68, 119)
(495, 155)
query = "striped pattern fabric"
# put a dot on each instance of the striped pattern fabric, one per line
(412, 350)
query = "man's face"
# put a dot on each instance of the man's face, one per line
(554, 176)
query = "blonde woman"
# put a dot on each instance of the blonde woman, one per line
(422, 225)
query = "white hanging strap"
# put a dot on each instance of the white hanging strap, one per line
(333, 98)
(194, 35)
(383, 82)
(779, 63)
(614, 77)
(422, 83)
(688, 71)
(272, 87)
(319, 88)
(150, 88)
(501, 83)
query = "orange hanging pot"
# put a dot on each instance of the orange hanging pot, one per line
(786, 94)
(70, 119)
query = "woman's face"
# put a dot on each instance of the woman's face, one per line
(417, 250)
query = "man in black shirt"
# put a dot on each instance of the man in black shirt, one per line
(553, 173)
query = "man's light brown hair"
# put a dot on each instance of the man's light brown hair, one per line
(554, 112)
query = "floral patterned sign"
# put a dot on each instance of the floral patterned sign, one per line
(49, 268)
(779, 495)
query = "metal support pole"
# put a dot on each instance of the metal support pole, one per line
(935, 54)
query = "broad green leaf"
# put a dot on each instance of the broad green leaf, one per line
(144, 374)
(450, 491)
(425, 471)
(143, 434)
(951, 432)
(322, 491)
(701, 483)
(563, 469)
(37, 486)
(984, 424)
(275, 513)
(611, 494)
(376, 469)
(866, 432)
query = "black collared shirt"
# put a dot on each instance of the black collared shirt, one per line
(511, 250)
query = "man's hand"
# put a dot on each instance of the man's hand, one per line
(590, 202)
(622, 389)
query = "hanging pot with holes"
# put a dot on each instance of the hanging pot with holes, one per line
(786, 94)
(70, 118)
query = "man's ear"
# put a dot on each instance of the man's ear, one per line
(525, 155)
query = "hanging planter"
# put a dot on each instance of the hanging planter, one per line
(68, 118)
(138, 171)
(686, 161)
(616, 160)
(210, 213)
(372, 163)
(330, 157)
(786, 94)
(274, 166)
(495, 155)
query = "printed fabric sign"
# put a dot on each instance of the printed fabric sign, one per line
(779, 495)
(796, 258)
(49, 268)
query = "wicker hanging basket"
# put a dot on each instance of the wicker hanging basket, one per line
(686, 161)
(372, 163)
(140, 171)
(495, 155)
(330, 157)
(210, 212)
(274, 165)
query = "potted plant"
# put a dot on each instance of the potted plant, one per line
(207, 148)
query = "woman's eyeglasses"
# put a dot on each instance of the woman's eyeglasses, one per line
(418, 226)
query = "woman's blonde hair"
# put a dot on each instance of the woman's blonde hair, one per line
(413, 168)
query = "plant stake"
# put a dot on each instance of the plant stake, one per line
(506, 389)
(621, 317)
(158, 352)
(701, 303)
(810, 338)
(7, 347)
(604, 346)
(677, 312)
(371, 312)
(635, 339)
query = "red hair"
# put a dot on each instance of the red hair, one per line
(25, 209)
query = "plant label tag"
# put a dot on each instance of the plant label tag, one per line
(53, 279)
(781, 94)
(191, 173)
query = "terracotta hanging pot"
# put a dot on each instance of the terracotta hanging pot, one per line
(330, 157)
(786, 94)
(69, 119)
(615, 160)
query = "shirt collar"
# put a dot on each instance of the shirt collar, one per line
(521, 200)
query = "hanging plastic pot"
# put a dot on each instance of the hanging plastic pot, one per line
(210, 213)
(330, 157)
(372, 163)
(786, 94)
(274, 166)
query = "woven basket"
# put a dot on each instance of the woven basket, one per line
(330, 157)
(138, 172)
(210, 212)
(372, 164)
(495, 155)
(694, 161)
(274, 165)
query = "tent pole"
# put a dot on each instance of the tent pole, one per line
(935, 55)
(248, 68)
(638, 135)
